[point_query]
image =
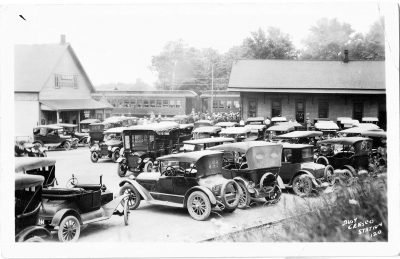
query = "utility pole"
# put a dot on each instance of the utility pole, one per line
(212, 87)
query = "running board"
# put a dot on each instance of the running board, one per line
(94, 220)
(165, 203)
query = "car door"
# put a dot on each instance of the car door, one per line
(182, 184)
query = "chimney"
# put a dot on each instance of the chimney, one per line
(62, 40)
(346, 56)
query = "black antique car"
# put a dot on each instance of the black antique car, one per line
(42, 166)
(71, 131)
(301, 137)
(257, 132)
(142, 144)
(326, 127)
(274, 131)
(85, 124)
(96, 131)
(206, 132)
(299, 172)
(255, 166)
(110, 146)
(185, 180)
(28, 201)
(185, 132)
(347, 155)
(203, 144)
(255, 121)
(238, 133)
(52, 137)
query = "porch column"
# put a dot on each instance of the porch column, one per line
(104, 114)
(79, 119)
(58, 117)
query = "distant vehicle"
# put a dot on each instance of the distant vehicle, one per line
(277, 130)
(142, 144)
(255, 166)
(257, 132)
(227, 124)
(301, 137)
(38, 166)
(326, 127)
(82, 139)
(340, 123)
(275, 120)
(110, 146)
(182, 119)
(373, 120)
(203, 144)
(238, 133)
(206, 132)
(255, 121)
(297, 126)
(96, 131)
(185, 180)
(185, 132)
(203, 123)
(85, 124)
(51, 137)
(299, 172)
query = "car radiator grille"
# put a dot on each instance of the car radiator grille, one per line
(133, 161)
(104, 150)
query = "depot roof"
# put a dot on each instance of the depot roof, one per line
(71, 104)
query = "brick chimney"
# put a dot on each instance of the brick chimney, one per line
(346, 56)
(62, 40)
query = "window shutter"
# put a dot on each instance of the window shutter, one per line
(57, 81)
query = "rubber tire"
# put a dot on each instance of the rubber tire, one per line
(147, 166)
(126, 212)
(129, 188)
(246, 204)
(306, 180)
(78, 229)
(322, 161)
(349, 180)
(207, 205)
(67, 145)
(92, 158)
(39, 142)
(120, 172)
(223, 198)
(277, 192)
(35, 239)
(329, 178)
(115, 156)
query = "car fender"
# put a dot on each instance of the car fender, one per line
(207, 191)
(143, 192)
(114, 149)
(280, 183)
(245, 182)
(306, 173)
(83, 139)
(32, 231)
(58, 217)
(147, 159)
(94, 148)
(265, 176)
(121, 159)
(324, 159)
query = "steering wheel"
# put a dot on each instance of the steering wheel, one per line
(225, 162)
(170, 171)
(72, 182)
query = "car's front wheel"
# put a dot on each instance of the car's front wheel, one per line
(198, 205)
(329, 175)
(67, 145)
(302, 185)
(244, 200)
(275, 197)
(122, 169)
(94, 157)
(69, 229)
(134, 195)
(115, 156)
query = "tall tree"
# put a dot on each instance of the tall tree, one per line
(270, 45)
(375, 41)
(327, 39)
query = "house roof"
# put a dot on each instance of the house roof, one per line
(33, 65)
(104, 101)
(307, 76)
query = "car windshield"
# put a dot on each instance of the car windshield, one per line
(201, 135)
(110, 136)
(178, 167)
(235, 136)
(306, 154)
(190, 147)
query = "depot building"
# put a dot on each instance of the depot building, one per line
(310, 88)
(51, 86)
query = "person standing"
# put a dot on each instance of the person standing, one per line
(308, 123)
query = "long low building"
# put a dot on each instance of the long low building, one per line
(314, 89)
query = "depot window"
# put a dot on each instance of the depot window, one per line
(146, 103)
(222, 104)
(236, 104)
(159, 102)
(133, 103)
(215, 104)
(276, 108)
(139, 104)
(127, 103)
(172, 103)
(152, 103)
(229, 104)
(323, 109)
(178, 104)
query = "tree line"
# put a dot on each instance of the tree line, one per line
(182, 67)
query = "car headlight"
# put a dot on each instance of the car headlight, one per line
(139, 160)
(109, 148)
(216, 189)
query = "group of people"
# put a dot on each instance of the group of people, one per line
(216, 117)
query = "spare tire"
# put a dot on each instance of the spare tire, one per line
(224, 189)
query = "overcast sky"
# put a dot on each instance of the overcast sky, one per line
(115, 43)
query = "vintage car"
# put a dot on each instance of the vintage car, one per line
(65, 210)
(203, 144)
(257, 132)
(110, 146)
(185, 180)
(28, 201)
(255, 121)
(275, 120)
(340, 120)
(346, 153)
(326, 127)
(238, 133)
(227, 124)
(142, 144)
(81, 139)
(185, 132)
(52, 137)
(297, 126)
(255, 166)
(96, 131)
(274, 131)
(299, 172)
(42, 166)
(118, 121)
(203, 123)
(85, 124)
(301, 137)
(349, 123)
(373, 120)
(182, 119)
(379, 139)
(206, 132)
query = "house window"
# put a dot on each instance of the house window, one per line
(56, 81)
(229, 104)
(152, 103)
(236, 104)
(252, 108)
(133, 103)
(276, 108)
(215, 104)
(99, 116)
(172, 103)
(178, 104)
(323, 109)
(222, 104)
(300, 108)
(75, 81)
(358, 111)
(146, 103)
(159, 102)
(139, 103)
(165, 103)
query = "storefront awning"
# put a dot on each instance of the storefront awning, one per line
(71, 104)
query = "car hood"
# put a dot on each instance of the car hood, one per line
(212, 180)
(112, 142)
(312, 166)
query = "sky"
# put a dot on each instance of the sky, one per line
(115, 43)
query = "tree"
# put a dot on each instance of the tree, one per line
(274, 44)
(375, 41)
(327, 39)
